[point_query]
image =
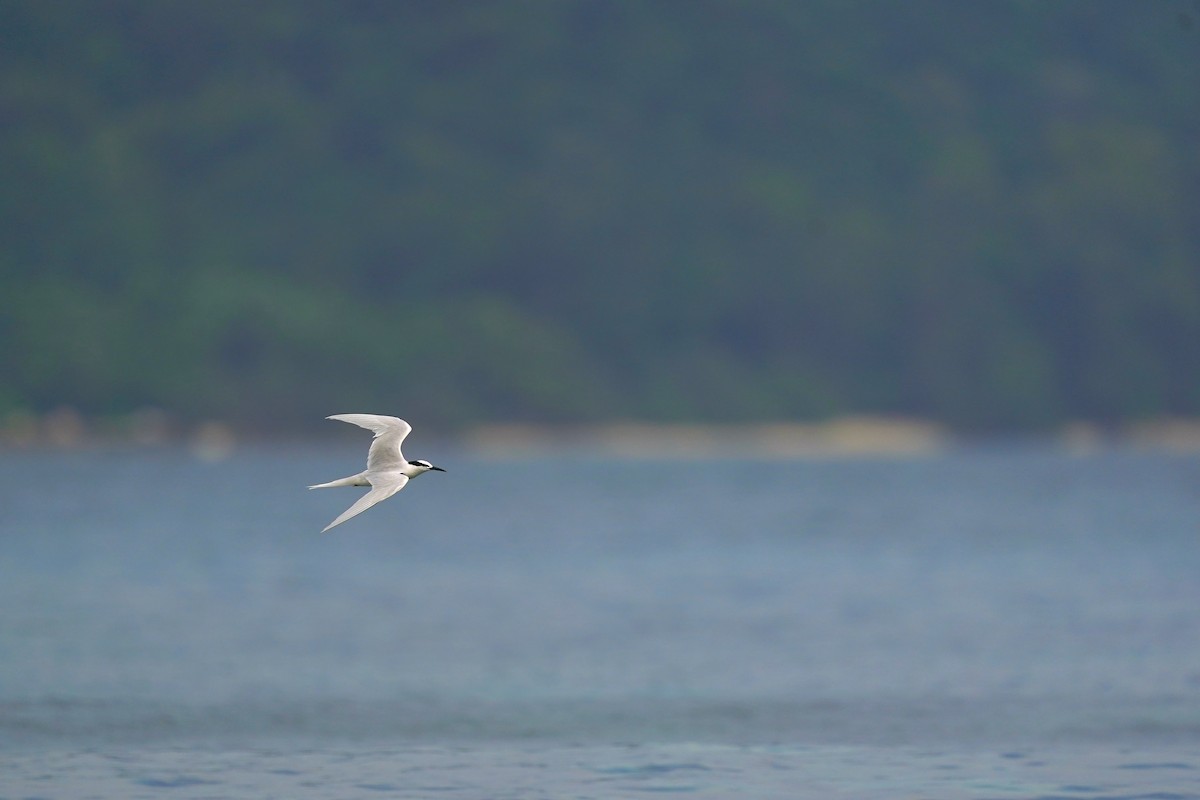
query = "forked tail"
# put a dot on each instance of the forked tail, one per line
(353, 480)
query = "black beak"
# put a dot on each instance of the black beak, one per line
(436, 469)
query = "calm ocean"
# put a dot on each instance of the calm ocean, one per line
(988, 623)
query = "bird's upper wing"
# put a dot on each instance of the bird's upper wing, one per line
(389, 433)
(382, 487)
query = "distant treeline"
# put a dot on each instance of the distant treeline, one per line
(984, 213)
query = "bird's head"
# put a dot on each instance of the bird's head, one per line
(424, 466)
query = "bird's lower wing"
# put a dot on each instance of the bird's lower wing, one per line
(381, 489)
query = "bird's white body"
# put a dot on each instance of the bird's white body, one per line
(387, 470)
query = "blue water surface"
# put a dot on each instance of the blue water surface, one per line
(990, 622)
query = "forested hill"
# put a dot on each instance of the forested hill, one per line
(983, 213)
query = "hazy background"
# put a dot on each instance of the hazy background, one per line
(984, 214)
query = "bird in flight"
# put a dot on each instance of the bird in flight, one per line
(387, 470)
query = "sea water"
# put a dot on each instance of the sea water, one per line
(986, 623)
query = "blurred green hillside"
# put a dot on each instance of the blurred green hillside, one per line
(982, 213)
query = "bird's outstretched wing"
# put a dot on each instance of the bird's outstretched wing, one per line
(389, 433)
(382, 487)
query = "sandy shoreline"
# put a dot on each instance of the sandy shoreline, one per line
(847, 436)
